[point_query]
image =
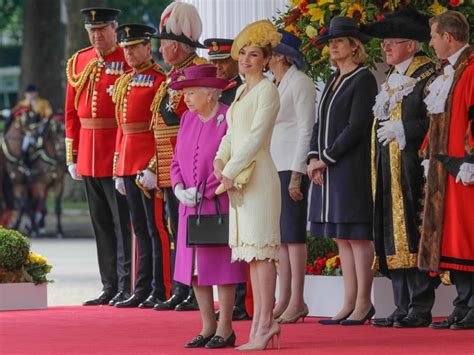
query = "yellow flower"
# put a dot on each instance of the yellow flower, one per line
(357, 11)
(34, 258)
(295, 3)
(324, 2)
(325, 52)
(311, 31)
(437, 9)
(332, 7)
(317, 15)
(291, 28)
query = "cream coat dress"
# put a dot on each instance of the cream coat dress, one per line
(254, 224)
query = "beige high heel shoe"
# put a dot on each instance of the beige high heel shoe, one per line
(275, 331)
(296, 317)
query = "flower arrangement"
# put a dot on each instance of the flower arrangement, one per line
(17, 262)
(323, 258)
(329, 265)
(309, 19)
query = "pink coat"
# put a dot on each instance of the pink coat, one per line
(196, 147)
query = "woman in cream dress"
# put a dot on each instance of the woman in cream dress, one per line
(254, 221)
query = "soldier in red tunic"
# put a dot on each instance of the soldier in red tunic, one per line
(133, 94)
(91, 129)
(180, 28)
(447, 240)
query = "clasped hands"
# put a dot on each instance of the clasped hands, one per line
(315, 171)
(218, 168)
(188, 197)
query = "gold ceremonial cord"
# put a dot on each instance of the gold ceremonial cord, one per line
(78, 81)
(120, 91)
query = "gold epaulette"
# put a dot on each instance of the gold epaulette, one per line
(78, 80)
(120, 91)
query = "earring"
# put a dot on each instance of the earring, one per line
(353, 53)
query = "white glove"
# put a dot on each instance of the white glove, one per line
(73, 172)
(391, 130)
(466, 174)
(148, 180)
(426, 166)
(120, 185)
(186, 197)
(192, 191)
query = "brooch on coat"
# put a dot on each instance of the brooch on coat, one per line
(220, 118)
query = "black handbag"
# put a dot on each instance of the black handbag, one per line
(207, 230)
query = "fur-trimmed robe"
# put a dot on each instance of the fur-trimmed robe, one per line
(447, 238)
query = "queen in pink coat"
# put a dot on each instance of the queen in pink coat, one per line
(201, 130)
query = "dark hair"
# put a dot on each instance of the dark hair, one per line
(454, 23)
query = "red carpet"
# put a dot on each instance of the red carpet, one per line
(107, 330)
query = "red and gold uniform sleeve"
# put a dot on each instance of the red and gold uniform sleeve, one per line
(72, 122)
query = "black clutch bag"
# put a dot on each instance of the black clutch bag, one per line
(207, 230)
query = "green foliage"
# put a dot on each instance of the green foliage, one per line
(37, 272)
(320, 247)
(142, 11)
(14, 248)
(11, 17)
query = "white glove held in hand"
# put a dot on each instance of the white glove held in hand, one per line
(148, 180)
(391, 130)
(466, 174)
(120, 185)
(186, 197)
(73, 172)
(426, 166)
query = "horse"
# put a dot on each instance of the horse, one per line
(33, 147)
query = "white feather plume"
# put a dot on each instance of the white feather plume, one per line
(182, 18)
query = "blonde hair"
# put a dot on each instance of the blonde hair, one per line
(359, 55)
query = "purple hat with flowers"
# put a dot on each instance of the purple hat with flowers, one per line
(198, 76)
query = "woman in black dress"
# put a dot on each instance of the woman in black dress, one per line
(339, 166)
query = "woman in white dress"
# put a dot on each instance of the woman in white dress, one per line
(254, 222)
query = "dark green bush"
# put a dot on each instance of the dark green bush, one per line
(14, 248)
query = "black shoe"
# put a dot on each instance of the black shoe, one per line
(103, 298)
(169, 304)
(189, 304)
(414, 320)
(237, 314)
(150, 302)
(131, 302)
(199, 341)
(362, 321)
(455, 317)
(218, 342)
(119, 297)
(334, 321)
(466, 323)
(388, 322)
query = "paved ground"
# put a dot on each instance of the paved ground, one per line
(74, 258)
(75, 271)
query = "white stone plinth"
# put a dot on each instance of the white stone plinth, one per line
(26, 295)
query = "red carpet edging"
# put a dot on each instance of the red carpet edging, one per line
(108, 330)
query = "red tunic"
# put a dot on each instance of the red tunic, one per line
(457, 248)
(135, 143)
(91, 126)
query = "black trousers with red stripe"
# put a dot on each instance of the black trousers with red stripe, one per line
(149, 281)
